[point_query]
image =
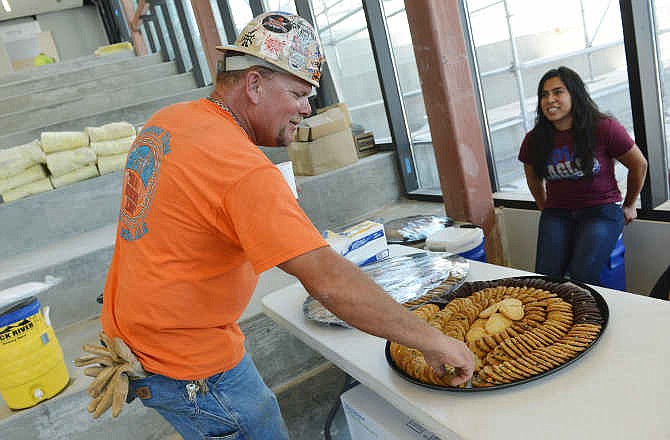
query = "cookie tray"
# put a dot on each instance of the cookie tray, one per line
(600, 302)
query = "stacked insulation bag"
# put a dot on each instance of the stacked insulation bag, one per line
(111, 143)
(22, 172)
(69, 157)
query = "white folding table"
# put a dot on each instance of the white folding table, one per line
(620, 389)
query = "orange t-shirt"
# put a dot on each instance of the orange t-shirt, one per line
(203, 212)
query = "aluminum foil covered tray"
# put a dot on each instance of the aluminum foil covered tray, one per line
(411, 280)
(415, 228)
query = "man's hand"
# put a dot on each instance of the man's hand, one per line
(454, 353)
(351, 295)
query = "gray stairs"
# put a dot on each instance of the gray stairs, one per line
(135, 114)
(52, 96)
(77, 107)
(71, 72)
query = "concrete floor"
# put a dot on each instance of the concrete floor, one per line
(322, 391)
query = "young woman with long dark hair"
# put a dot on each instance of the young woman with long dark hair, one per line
(569, 159)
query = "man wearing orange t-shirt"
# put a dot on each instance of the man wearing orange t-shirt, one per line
(203, 213)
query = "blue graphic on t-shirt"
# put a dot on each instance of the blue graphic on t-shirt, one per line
(563, 164)
(140, 181)
(142, 161)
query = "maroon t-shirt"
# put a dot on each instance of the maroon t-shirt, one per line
(565, 182)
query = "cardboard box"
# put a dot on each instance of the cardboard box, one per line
(361, 244)
(325, 123)
(369, 417)
(365, 144)
(22, 52)
(340, 105)
(324, 154)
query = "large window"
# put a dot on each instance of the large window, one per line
(662, 24)
(412, 97)
(279, 5)
(516, 41)
(343, 31)
(241, 13)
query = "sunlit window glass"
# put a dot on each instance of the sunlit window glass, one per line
(241, 13)
(280, 5)
(343, 31)
(662, 22)
(516, 41)
(412, 97)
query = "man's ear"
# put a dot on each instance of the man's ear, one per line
(253, 86)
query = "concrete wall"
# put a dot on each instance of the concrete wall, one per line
(647, 247)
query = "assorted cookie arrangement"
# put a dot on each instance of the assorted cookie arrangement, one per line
(516, 328)
(437, 294)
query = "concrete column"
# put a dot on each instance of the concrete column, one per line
(448, 93)
(209, 35)
(138, 41)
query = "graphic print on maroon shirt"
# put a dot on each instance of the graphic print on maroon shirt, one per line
(565, 182)
(564, 165)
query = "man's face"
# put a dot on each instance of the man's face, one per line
(284, 104)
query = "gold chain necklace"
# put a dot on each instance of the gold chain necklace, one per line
(225, 108)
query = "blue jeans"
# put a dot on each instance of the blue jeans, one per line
(577, 243)
(237, 405)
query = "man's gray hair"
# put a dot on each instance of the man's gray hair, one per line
(230, 76)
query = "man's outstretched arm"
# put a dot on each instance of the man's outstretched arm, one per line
(351, 295)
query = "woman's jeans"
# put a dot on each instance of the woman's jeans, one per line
(577, 243)
(236, 405)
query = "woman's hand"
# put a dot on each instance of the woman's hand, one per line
(536, 186)
(629, 214)
(636, 163)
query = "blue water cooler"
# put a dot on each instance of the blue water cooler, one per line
(464, 240)
(613, 274)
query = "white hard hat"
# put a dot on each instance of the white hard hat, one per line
(278, 39)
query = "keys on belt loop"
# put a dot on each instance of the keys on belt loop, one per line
(194, 386)
(192, 390)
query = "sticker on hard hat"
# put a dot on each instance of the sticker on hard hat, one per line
(248, 38)
(279, 24)
(304, 33)
(273, 48)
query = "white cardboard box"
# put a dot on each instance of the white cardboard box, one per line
(369, 417)
(363, 243)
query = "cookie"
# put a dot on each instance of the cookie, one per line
(497, 323)
(512, 308)
(487, 312)
(474, 334)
